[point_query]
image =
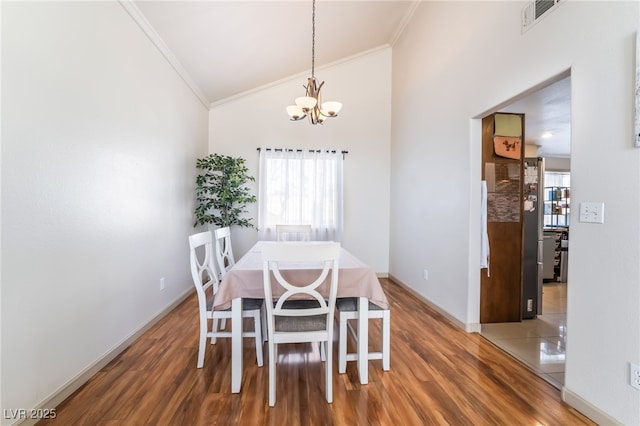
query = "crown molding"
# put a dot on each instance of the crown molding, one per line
(405, 21)
(155, 38)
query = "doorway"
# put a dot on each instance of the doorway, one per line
(540, 342)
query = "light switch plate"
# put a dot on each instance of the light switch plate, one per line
(592, 212)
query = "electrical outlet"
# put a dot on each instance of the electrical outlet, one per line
(592, 212)
(425, 275)
(529, 305)
(162, 283)
(634, 375)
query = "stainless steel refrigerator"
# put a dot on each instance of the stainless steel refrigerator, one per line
(532, 237)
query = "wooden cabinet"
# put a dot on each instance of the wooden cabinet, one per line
(501, 290)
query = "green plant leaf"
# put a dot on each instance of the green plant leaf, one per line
(221, 193)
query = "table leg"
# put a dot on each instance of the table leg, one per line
(363, 340)
(236, 344)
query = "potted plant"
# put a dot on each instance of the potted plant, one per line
(221, 191)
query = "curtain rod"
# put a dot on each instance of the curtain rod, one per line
(333, 151)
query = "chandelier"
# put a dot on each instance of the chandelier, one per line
(310, 104)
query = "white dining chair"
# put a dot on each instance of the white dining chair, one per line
(206, 282)
(224, 252)
(225, 259)
(290, 319)
(348, 310)
(293, 232)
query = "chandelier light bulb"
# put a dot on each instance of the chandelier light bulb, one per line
(306, 102)
(295, 112)
(331, 108)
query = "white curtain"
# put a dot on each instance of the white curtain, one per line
(300, 187)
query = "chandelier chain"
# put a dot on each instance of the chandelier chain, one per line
(313, 39)
(310, 105)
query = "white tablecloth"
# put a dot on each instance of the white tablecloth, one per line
(244, 279)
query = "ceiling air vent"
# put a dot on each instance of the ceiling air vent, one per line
(535, 11)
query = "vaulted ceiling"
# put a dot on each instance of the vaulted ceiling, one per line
(229, 47)
(224, 48)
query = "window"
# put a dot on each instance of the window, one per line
(557, 190)
(557, 179)
(300, 187)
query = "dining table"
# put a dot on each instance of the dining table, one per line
(245, 280)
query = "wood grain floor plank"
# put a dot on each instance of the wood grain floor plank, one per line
(439, 375)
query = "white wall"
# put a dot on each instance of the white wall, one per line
(555, 164)
(99, 141)
(459, 59)
(259, 119)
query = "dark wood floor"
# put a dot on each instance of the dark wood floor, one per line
(439, 375)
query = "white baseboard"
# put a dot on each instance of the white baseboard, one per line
(589, 410)
(81, 378)
(468, 328)
(473, 327)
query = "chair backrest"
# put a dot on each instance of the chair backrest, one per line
(293, 232)
(300, 257)
(203, 270)
(224, 252)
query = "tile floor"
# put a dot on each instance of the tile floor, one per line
(539, 343)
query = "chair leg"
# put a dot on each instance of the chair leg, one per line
(214, 329)
(203, 342)
(328, 368)
(343, 339)
(272, 374)
(265, 332)
(323, 351)
(259, 342)
(342, 344)
(386, 340)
